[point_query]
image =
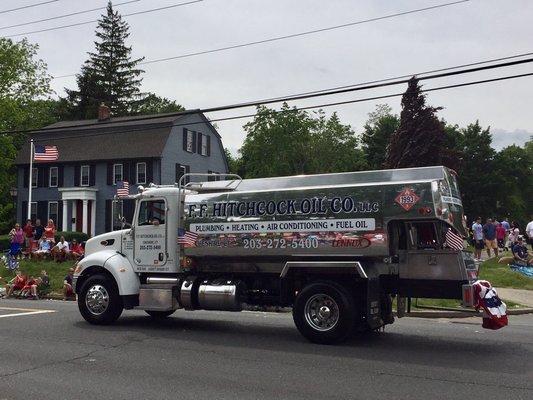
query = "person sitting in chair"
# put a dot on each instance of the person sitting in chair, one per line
(520, 254)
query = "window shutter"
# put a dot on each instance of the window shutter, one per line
(208, 137)
(126, 171)
(41, 174)
(77, 171)
(60, 176)
(46, 176)
(108, 211)
(26, 177)
(109, 176)
(149, 171)
(24, 209)
(133, 172)
(59, 222)
(178, 169)
(187, 171)
(42, 212)
(128, 208)
(200, 139)
(184, 139)
(194, 142)
(92, 175)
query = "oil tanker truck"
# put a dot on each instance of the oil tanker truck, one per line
(335, 247)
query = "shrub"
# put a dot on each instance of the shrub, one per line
(79, 236)
(4, 242)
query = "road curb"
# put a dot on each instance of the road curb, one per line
(461, 313)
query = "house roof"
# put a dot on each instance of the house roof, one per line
(91, 140)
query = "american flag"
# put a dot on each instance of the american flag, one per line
(187, 238)
(123, 189)
(454, 241)
(45, 153)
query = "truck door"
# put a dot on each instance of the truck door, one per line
(150, 249)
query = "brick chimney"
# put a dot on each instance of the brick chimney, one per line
(104, 112)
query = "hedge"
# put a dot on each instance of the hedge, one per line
(79, 236)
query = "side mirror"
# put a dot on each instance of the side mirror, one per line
(125, 224)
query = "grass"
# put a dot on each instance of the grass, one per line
(56, 271)
(451, 303)
(500, 275)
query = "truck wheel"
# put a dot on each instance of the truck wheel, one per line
(324, 312)
(159, 314)
(99, 301)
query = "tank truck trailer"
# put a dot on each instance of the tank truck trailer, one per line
(334, 247)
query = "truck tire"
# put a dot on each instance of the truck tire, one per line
(324, 312)
(159, 314)
(99, 301)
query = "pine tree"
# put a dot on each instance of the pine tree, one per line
(110, 75)
(420, 138)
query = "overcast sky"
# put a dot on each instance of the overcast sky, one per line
(462, 33)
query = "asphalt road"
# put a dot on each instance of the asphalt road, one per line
(252, 355)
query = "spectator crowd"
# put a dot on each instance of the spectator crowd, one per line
(38, 242)
(495, 237)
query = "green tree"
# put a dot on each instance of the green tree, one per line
(420, 137)
(380, 126)
(153, 104)
(24, 88)
(294, 142)
(514, 172)
(110, 75)
(477, 178)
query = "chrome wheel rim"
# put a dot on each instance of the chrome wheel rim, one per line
(321, 312)
(97, 299)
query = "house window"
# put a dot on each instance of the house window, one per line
(84, 175)
(52, 211)
(190, 141)
(34, 177)
(52, 182)
(33, 211)
(117, 173)
(203, 145)
(141, 173)
(213, 176)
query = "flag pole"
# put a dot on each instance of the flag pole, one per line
(30, 179)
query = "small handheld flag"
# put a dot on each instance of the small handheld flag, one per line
(45, 153)
(123, 189)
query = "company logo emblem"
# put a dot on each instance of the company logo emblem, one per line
(407, 199)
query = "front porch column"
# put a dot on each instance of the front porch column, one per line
(93, 217)
(85, 215)
(74, 214)
(65, 216)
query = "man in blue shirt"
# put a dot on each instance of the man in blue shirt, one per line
(477, 229)
(489, 232)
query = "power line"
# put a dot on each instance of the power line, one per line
(407, 75)
(28, 6)
(278, 38)
(93, 21)
(66, 15)
(319, 106)
(300, 97)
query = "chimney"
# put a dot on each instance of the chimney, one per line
(104, 112)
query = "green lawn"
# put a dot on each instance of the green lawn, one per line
(56, 271)
(500, 275)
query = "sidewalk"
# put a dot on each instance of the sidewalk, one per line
(520, 296)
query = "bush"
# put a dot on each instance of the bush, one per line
(79, 236)
(4, 242)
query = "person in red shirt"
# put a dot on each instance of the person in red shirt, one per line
(500, 236)
(28, 233)
(76, 250)
(17, 283)
(50, 231)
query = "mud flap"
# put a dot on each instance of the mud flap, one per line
(373, 304)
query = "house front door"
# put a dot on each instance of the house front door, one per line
(79, 215)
